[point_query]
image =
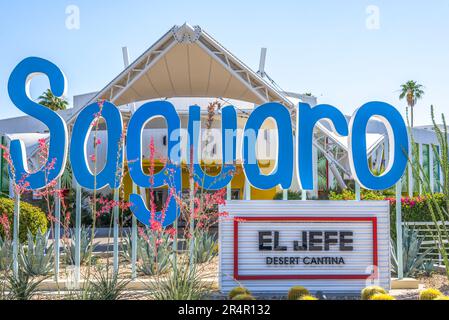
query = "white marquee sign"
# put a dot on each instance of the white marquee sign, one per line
(329, 246)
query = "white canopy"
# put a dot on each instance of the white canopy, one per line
(188, 62)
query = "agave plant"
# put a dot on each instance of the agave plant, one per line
(86, 243)
(126, 246)
(205, 247)
(106, 285)
(37, 256)
(413, 260)
(22, 286)
(5, 254)
(428, 267)
(154, 252)
(185, 282)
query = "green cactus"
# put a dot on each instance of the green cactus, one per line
(308, 298)
(238, 291)
(243, 297)
(370, 291)
(429, 294)
(297, 292)
(382, 296)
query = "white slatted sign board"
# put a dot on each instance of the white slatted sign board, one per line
(357, 254)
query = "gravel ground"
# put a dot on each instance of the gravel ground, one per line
(436, 281)
(210, 270)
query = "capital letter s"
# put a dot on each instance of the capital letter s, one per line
(18, 89)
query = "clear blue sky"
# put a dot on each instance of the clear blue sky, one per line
(320, 46)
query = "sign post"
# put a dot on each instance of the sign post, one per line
(78, 235)
(57, 234)
(357, 192)
(134, 242)
(116, 230)
(399, 229)
(16, 240)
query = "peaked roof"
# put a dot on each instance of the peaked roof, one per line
(188, 62)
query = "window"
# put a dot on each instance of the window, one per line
(160, 197)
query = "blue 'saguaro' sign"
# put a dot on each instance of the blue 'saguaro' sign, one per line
(282, 175)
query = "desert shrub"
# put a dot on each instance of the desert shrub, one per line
(368, 292)
(244, 297)
(297, 292)
(348, 194)
(382, 296)
(415, 209)
(429, 294)
(307, 297)
(31, 218)
(238, 291)
(292, 195)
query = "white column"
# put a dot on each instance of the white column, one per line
(420, 173)
(78, 234)
(431, 172)
(399, 229)
(57, 239)
(315, 170)
(134, 241)
(386, 152)
(357, 191)
(378, 154)
(247, 190)
(11, 188)
(229, 192)
(192, 222)
(285, 194)
(410, 171)
(115, 211)
(16, 240)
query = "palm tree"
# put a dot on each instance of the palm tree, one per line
(412, 91)
(52, 102)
